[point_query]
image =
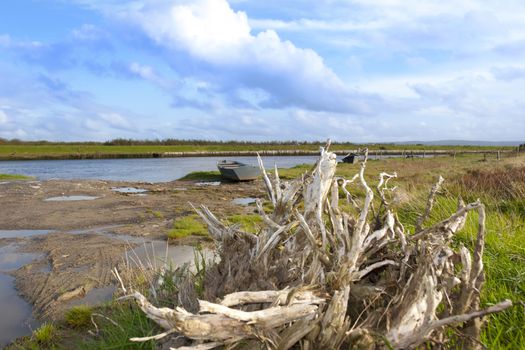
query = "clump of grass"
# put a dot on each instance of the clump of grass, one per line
(186, 226)
(158, 214)
(247, 222)
(46, 335)
(127, 321)
(79, 316)
(202, 176)
(15, 177)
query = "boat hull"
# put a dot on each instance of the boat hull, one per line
(238, 172)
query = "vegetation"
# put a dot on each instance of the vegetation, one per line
(187, 226)
(16, 149)
(46, 335)
(79, 316)
(15, 177)
(499, 185)
(122, 321)
(246, 222)
(202, 176)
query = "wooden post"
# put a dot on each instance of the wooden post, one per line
(499, 156)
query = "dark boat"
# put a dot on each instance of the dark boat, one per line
(237, 171)
(351, 158)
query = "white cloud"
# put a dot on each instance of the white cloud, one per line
(211, 32)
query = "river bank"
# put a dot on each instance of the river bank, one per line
(99, 151)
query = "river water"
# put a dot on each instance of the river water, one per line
(136, 169)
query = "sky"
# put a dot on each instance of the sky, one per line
(349, 70)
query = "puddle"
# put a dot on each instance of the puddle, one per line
(22, 233)
(157, 253)
(12, 259)
(213, 183)
(16, 320)
(94, 297)
(132, 190)
(244, 201)
(70, 198)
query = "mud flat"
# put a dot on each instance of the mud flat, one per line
(61, 251)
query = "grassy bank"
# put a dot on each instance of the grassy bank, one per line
(14, 177)
(47, 150)
(499, 184)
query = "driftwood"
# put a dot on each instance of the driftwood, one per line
(320, 277)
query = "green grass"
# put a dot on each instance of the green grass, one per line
(15, 177)
(247, 222)
(202, 176)
(79, 316)
(46, 335)
(130, 322)
(43, 150)
(187, 226)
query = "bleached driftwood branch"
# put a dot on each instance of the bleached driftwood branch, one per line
(316, 276)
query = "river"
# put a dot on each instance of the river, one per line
(136, 169)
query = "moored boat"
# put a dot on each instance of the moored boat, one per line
(237, 171)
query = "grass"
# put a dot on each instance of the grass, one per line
(187, 226)
(43, 150)
(128, 321)
(79, 316)
(15, 177)
(247, 222)
(203, 176)
(46, 335)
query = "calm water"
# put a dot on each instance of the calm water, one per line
(140, 169)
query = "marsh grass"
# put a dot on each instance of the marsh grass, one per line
(187, 226)
(79, 316)
(202, 176)
(46, 335)
(128, 321)
(247, 222)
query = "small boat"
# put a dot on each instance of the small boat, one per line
(351, 158)
(237, 171)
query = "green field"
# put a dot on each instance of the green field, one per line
(48, 150)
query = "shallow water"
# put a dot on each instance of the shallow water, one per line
(94, 297)
(16, 319)
(70, 198)
(244, 201)
(128, 190)
(22, 233)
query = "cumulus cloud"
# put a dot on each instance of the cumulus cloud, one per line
(230, 55)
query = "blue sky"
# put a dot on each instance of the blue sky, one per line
(353, 70)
